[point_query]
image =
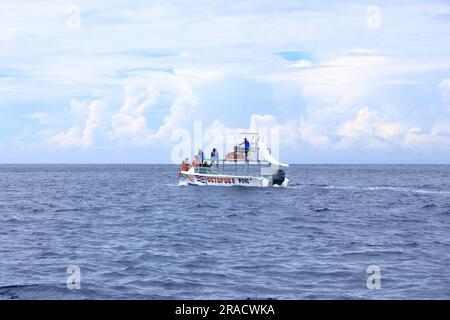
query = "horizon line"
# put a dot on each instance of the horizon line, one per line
(168, 163)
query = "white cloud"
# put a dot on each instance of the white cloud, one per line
(346, 78)
(346, 67)
(182, 108)
(438, 138)
(258, 122)
(370, 130)
(303, 63)
(310, 133)
(40, 117)
(129, 122)
(98, 114)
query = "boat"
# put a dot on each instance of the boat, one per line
(258, 169)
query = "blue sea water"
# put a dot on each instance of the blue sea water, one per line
(136, 234)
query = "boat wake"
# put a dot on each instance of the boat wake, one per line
(283, 185)
(182, 183)
(386, 188)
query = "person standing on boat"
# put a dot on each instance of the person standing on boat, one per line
(246, 144)
(196, 162)
(201, 156)
(184, 166)
(215, 157)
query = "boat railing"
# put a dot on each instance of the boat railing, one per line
(205, 170)
(232, 167)
(239, 153)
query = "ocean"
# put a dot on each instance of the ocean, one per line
(134, 233)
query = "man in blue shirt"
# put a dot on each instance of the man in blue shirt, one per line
(246, 144)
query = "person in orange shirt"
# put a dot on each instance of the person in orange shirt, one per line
(184, 166)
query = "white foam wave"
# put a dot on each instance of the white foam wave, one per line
(182, 183)
(381, 188)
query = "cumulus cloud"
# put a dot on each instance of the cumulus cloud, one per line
(259, 122)
(332, 80)
(97, 116)
(370, 130)
(311, 133)
(182, 107)
(129, 122)
(438, 138)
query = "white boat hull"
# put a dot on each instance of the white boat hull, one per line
(221, 180)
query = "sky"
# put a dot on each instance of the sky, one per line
(130, 81)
